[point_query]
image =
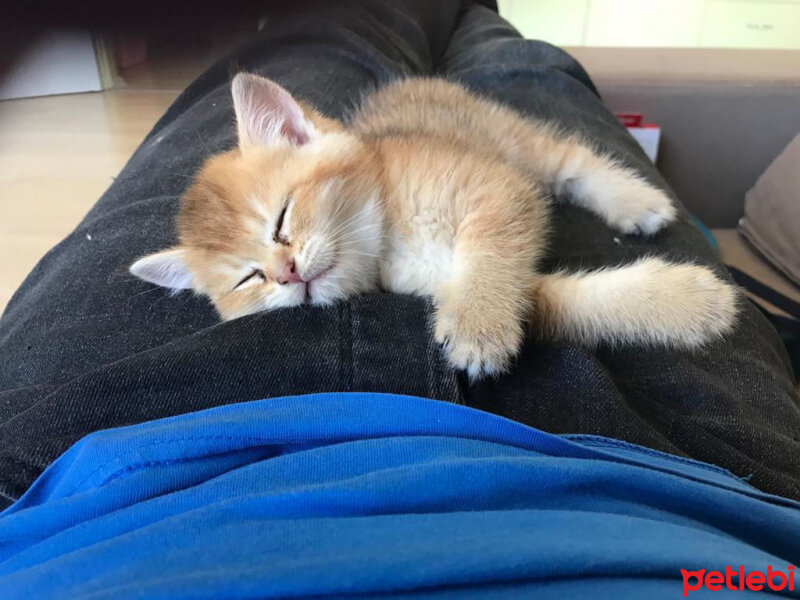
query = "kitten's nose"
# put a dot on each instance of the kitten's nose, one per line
(289, 274)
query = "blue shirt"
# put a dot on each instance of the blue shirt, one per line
(374, 494)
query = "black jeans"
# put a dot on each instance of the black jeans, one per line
(86, 346)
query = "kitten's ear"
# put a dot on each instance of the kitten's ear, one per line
(166, 268)
(266, 114)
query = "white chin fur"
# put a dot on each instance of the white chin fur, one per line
(326, 289)
(293, 294)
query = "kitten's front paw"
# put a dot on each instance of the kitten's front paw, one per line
(646, 212)
(476, 344)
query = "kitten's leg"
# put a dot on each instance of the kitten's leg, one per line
(481, 308)
(650, 302)
(585, 177)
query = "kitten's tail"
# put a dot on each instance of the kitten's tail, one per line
(649, 302)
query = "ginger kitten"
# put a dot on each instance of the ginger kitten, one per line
(432, 191)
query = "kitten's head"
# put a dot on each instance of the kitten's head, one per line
(292, 215)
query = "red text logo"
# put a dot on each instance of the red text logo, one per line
(737, 580)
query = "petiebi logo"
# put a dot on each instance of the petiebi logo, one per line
(754, 580)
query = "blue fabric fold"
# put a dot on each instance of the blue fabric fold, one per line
(375, 494)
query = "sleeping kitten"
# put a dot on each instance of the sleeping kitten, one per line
(432, 191)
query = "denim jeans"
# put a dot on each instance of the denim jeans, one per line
(86, 346)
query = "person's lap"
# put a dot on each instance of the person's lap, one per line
(731, 404)
(88, 347)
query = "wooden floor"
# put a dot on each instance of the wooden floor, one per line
(58, 154)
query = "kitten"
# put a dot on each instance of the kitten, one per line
(429, 190)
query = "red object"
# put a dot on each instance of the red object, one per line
(634, 120)
(631, 119)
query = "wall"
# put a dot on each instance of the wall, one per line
(717, 138)
(58, 62)
(659, 23)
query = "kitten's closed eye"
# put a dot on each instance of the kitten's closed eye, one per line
(277, 236)
(251, 277)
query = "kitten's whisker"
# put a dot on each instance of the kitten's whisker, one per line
(331, 221)
(350, 221)
(203, 142)
(335, 214)
(149, 308)
(348, 245)
(355, 217)
(354, 233)
(153, 289)
(362, 253)
(352, 237)
(327, 224)
(351, 228)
